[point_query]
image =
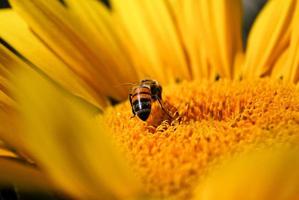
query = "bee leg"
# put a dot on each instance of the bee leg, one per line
(130, 99)
(133, 116)
(161, 104)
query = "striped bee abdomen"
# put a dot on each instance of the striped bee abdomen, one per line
(142, 108)
(141, 102)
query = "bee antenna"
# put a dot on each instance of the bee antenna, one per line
(129, 84)
(125, 84)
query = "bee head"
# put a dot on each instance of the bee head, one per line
(156, 91)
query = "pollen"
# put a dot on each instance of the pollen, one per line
(210, 120)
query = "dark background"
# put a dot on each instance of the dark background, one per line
(9, 192)
(3, 4)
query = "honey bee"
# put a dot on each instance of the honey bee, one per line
(142, 96)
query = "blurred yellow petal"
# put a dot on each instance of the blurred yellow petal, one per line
(292, 74)
(10, 129)
(105, 32)
(69, 143)
(67, 37)
(23, 175)
(152, 33)
(6, 101)
(4, 84)
(15, 170)
(268, 38)
(9, 126)
(6, 153)
(25, 42)
(266, 174)
(9, 108)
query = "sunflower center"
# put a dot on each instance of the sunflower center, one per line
(209, 121)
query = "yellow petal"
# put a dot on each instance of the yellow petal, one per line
(238, 65)
(280, 69)
(266, 174)
(268, 38)
(186, 15)
(211, 32)
(227, 23)
(293, 57)
(25, 42)
(73, 43)
(155, 42)
(69, 143)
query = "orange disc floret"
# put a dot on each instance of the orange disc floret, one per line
(210, 120)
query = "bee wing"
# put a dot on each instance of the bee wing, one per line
(129, 86)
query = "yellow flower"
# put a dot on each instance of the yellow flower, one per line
(62, 62)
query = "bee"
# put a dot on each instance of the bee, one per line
(142, 96)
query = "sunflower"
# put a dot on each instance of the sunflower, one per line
(229, 117)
